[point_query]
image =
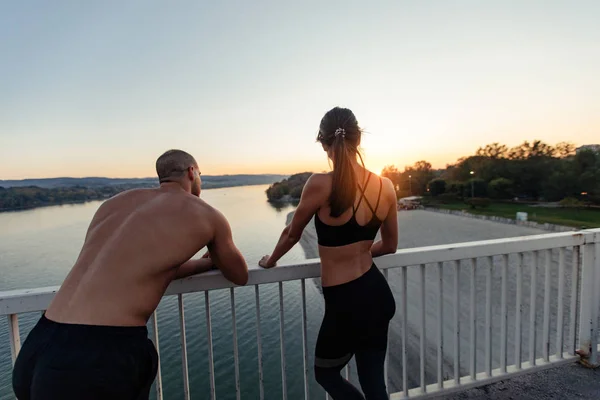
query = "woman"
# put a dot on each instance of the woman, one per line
(349, 205)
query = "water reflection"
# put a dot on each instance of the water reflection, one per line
(286, 206)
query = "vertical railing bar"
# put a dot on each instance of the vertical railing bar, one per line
(14, 336)
(440, 326)
(282, 342)
(519, 312)
(547, 288)
(422, 336)
(404, 306)
(575, 262)
(456, 322)
(387, 353)
(532, 307)
(184, 358)
(504, 315)
(236, 357)
(488, 318)
(596, 302)
(587, 297)
(158, 380)
(211, 361)
(560, 312)
(304, 339)
(261, 386)
(473, 319)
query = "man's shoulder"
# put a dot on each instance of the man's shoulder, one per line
(129, 194)
(199, 207)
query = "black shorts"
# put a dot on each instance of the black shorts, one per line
(357, 317)
(69, 361)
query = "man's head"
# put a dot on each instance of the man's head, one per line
(179, 167)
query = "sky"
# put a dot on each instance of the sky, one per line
(102, 88)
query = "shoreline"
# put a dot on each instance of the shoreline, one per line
(66, 203)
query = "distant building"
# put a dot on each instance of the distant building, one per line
(592, 147)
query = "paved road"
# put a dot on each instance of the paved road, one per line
(566, 382)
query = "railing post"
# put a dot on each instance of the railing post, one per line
(589, 304)
(14, 336)
(596, 302)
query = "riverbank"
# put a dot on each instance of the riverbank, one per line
(582, 218)
(89, 194)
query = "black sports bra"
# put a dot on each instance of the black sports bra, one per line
(351, 231)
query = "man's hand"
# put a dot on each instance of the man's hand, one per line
(266, 262)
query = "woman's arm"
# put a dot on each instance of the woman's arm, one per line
(389, 229)
(313, 196)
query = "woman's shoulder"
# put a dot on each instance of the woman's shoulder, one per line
(322, 178)
(319, 182)
(387, 187)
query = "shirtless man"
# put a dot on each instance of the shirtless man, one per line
(92, 342)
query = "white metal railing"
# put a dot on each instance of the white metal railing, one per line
(481, 257)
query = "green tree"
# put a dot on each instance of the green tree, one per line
(392, 173)
(417, 177)
(276, 191)
(493, 151)
(564, 150)
(292, 186)
(476, 186)
(437, 186)
(501, 188)
(456, 188)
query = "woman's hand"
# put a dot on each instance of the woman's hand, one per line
(265, 262)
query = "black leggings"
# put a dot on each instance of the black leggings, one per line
(70, 361)
(356, 321)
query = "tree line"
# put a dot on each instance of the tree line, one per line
(15, 198)
(532, 171)
(288, 189)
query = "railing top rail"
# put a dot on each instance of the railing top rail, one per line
(28, 300)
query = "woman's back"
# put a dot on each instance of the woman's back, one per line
(345, 241)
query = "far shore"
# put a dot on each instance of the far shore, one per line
(65, 203)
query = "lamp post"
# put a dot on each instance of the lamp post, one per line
(472, 184)
(410, 183)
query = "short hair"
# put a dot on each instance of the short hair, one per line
(173, 164)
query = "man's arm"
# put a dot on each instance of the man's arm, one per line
(193, 267)
(223, 252)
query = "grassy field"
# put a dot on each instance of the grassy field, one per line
(579, 218)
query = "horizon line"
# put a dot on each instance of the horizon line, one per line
(147, 177)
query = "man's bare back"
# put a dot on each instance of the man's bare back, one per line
(94, 332)
(131, 253)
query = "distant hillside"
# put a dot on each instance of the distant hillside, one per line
(288, 189)
(208, 181)
(31, 193)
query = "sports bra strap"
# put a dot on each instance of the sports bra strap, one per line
(362, 194)
(379, 195)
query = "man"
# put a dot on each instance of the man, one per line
(92, 342)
